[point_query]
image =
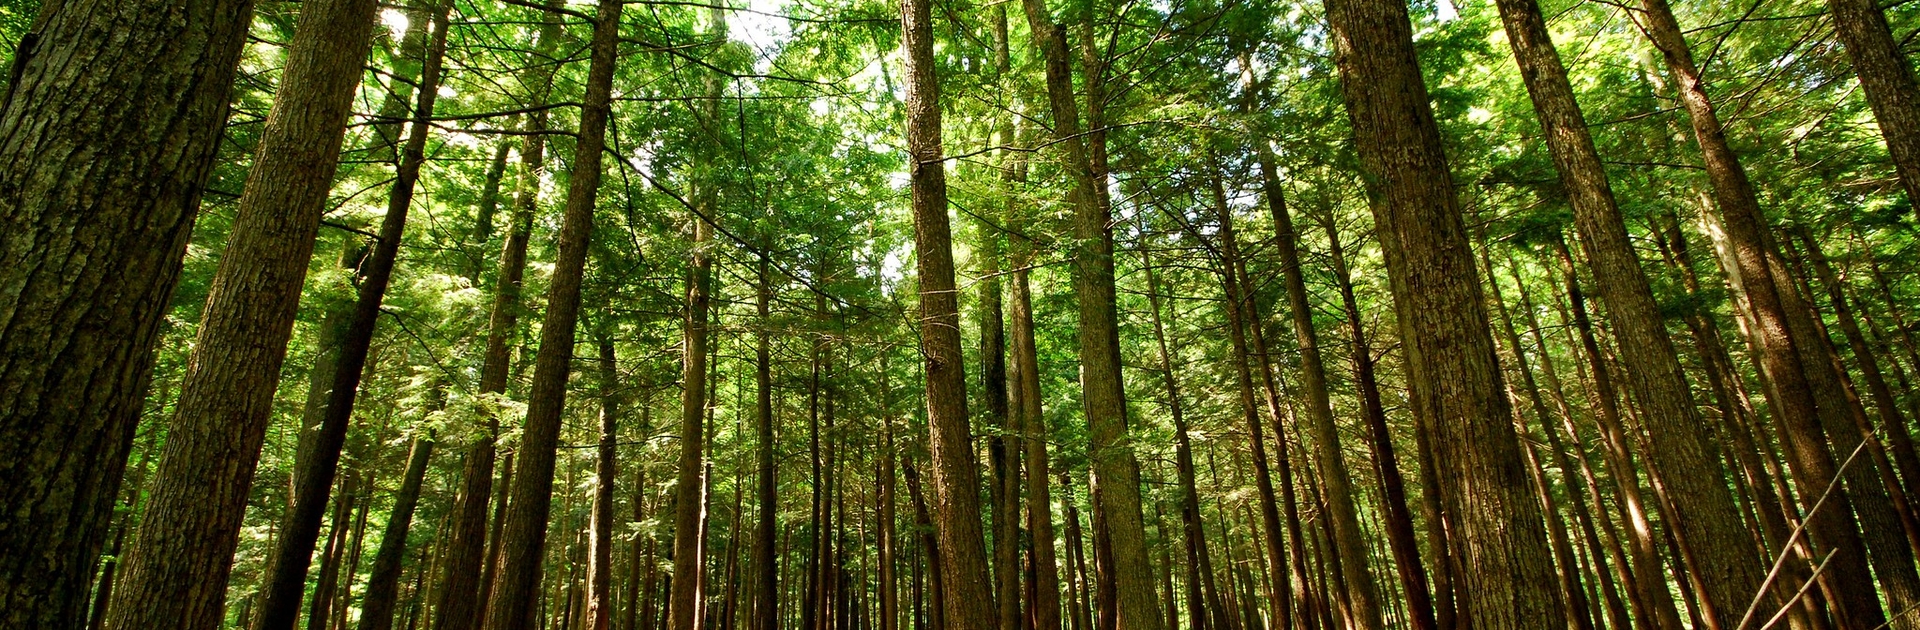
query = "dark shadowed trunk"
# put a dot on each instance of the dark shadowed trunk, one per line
(101, 172)
(177, 566)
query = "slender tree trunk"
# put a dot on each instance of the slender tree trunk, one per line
(314, 477)
(319, 609)
(383, 583)
(1578, 609)
(1116, 468)
(467, 582)
(968, 597)
(1202, 594)
(1025, 378)
(599, 615)
(524, 535)
(1398, 519)
(884, 490)
(1348, 540)
(766, 606)
(102, 172)
(178, 564)
(1297, 591)
(682, 608)
(1455, 379)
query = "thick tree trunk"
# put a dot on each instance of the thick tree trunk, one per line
(1110, 449)
(109, 127)
(1887, 79)
(968, 595)
(524, 537)
(314, 477)
(1778, 356)
(178, 564)
(383, 583)
(1679, 445)
(1457, 388)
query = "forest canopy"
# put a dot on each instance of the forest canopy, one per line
(959, 315)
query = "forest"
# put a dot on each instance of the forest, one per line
(959, 315)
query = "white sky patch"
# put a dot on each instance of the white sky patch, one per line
(396, 22)
(761, 27)
(1446, 12)
(642, 157)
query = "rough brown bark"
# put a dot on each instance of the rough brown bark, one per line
(1044, 604)
(1202, 594)
(314, 476)
(1457, 388)
(108, 131)
(178, 564)
(465, 584)
(1401, 539)
(599, 614)
(1888, 81)
(383, 582)
(683, 607)
(523, 544)
(968, 595)
(1790, 392)
(1709, 521)
(1115, 466)
(766, 605)
(1344, 520)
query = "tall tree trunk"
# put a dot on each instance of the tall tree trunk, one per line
(383, 583)
(1649, 570)
(1679, 445)
(1779, 358)
(525, 532)
(1457, 388)
(1348, 540)
(1296, 589)
(291, 558)
(1398, 519)
(467, 582)
(1202, 594)
(766, 605)
(1888, 81)
(177, 566)
(967, 597)
(103, 171)
(1025, 378)
(683, 606)
(885, 538)
(600, 559)
(1115, 466)
(1578, 609)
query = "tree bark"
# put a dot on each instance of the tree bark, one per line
(1791, 393)
(1044, 604)
(383, 582)
(599, 614)
(314, 477)
(467, 582)
(968, 597)
(766, 603)
(524, 537)
(1709, 521)
(1456, 384)
(1888, 81)
(683, 607)
(109, 127)
(178, 564)
(1401, 539)
(1203, 595)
